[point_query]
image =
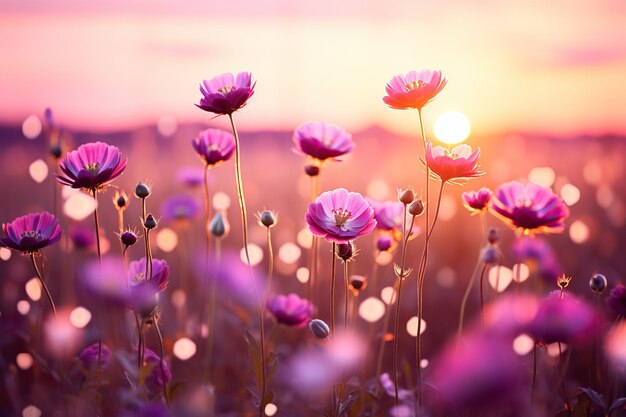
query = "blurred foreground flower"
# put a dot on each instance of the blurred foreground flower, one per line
(156, 378)
(92, 166)
(322, 141)
(529, 208)
(476, 201)
(226, 93)
(413, 90)
(340, 216)
(616, 300)
(290, 310)
(143, 291)
(89, 357)
(180, 207)
(456, 165)
(32, 232)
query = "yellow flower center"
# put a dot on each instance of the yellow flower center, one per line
(226, 90)
(341, 216)
(92, 167)
(414, 85)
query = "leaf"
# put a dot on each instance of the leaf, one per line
(594, 396)
(319, 409)
(349, 402)
(255, 353)
(617, 404)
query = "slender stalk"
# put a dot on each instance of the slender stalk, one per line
(244, 223)
(212, 302)
(345, 306)
(466, 296)
(313, 251)
(534, 378)
(332, 291)
(161, 360)
(43, 283)
(482, 299)
(94, 193)
(207, 237)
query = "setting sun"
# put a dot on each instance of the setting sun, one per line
(452, 127)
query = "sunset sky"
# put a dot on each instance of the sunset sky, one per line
(556, 67)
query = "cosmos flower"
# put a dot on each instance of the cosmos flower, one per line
(92, 166)
(413, 90)
(214, 146)
(226, 93)
(89, 356)
(388, 214)
(180, 207)
(340, 216)
(529, 208)
(82, 237)
(156, 377)
(290, 310)
(32, 232)
(143, 293)
(456, 165)
(477, 201)
(322, 141)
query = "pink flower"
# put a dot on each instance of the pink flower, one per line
(529, 208)
(322, 141)
(92, 166)
(456, 165)
(214, 146)
(414, 90)
(340, 216)
(32, 232)
(290, 310)
(225, 94)
(477, 201)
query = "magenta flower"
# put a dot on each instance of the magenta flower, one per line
(156, 377)
(477, 201)
(290, 310)
(340, 216)
(160, 274)
(457, 165)
(30, 233)
(414, 90)
(388, 214)
(617, 300)
(89, 356)
(214, 146)
(180, 207)
(322, 141)
(225, 94)
(190, 176)
(529, 208)
(92, 166)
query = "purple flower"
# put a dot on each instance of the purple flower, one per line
(529, 208)
(156, 376)
(83, 237)
(89, 356)
(384, 242)
(225, 94)
(214, 146)
(160, 274)
(537, 252)
(190, 176)
(561, 317)
(92, 166)
(31, 232)
(617, 300)
(322, 141)
(388, 214)
(105, 282)
(180, 207)
(290, 310)
(476, 201)
(340, 216)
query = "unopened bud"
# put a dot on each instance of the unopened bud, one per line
(358, 282)
(128, 237)
(384, 242)
(346, 251)
(267, 218)
(493, 235)
(416, 208)
(312, 170)
(319, 328)
(120, 200)
(56, 151)
(219, 226)
(598, 283)
(150, 222)
(142, 190)
(490, 255)
(406, 196)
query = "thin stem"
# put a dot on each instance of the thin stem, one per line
(94, 192)
(43, 283)
(534, 378)
(562, 377)
(270, 267)
(466, 296)
(212, 302)
(332, 291)
(207, 236)
(161, 361)
(244, 223)
(482, 299)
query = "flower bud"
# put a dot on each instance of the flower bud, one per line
(219, 226)
(120, 200)
(128, 237)
(384, 242)
(150, 222)
(490, 255)
(312, 170)
(319, 328)
(358, 282)
(493, 235)
(598, 283)
(406, 196)
(56, 151)
(416, 208)
(346, 251)
(268, 218)
(142, 190)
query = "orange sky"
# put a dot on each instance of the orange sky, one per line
(518, 65)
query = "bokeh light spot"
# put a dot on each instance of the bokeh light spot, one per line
(255, 252)
(446, 277)
(5, 254)
(289, 253)
(570, 194)
(167, 125)
(523, 344)
(184, 348)
(371, 309)
(79, 206)
(579, 232)
(31, 411)
(521, 272)
(378, 189)
(167, 239)
(23, 307)
(302, 275)
(388, 295)
(179, 298)
(500, 277)
(452, 127)
(384, 258)
(31, 127)
(411, 326)
(38, 171)
(80, 317)
(554, 350)
(33, 289)
(221, 201)
(270, 409)
(543, 176)
(305, 238)
(24, 360)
